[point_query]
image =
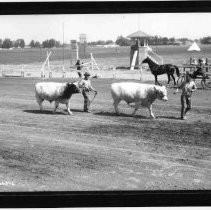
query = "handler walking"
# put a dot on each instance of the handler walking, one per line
(86, 86)
(187, 87)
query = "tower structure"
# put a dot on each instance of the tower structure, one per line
(74, 51)
(139, 48)
(83, 43)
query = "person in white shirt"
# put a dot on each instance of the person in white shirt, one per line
(86, 86)
(188, 86)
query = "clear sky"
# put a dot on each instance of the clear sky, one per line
(104, 26)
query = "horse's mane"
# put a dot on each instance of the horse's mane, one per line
(154, 63)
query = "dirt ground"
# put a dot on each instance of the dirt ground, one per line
(41, 151)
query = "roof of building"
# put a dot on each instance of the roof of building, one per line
(138, 34)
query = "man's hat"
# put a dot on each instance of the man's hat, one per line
(87, 74)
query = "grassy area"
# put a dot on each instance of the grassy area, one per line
(111, 56)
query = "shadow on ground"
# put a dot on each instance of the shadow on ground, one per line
(112, 114)
(43, 112)
(169, 117)
(59, 112)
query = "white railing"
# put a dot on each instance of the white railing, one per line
(157, 56)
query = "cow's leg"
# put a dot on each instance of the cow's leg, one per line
(68, 108)
(116, 103)
(136, 108)
(150, 111)
(40, 101)
(56, 106)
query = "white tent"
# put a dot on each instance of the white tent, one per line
(194, 47)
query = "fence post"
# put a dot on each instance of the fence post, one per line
(141, 71)
(63, 70)
(22, 71)
(50, 74)
(2, 71)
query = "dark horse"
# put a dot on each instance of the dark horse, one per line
(156, 70)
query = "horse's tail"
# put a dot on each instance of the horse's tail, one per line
(177, 71)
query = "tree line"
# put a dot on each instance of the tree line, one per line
(121, 41)
(8, 43)
(158, 40)
(101, 42)
(20, 43)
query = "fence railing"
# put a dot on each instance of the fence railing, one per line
(156, 56)
(56, 71)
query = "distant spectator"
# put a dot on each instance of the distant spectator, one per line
(79, 67)
(194, 61)
(200, 70)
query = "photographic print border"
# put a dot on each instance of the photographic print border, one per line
(104, 198)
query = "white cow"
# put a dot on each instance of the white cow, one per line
(140, 94)
(58, 92)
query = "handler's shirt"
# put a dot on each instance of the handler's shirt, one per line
(86, 84)
(188, 87)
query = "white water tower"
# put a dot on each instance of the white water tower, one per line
(83, 42)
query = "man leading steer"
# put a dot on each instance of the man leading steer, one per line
(86, 86)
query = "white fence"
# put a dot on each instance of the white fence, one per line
(35, 70)
(57, 71)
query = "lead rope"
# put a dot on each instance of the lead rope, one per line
(93, 97)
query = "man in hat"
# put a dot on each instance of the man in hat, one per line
(187, 87)
(86, 86)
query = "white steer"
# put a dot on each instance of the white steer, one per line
(140, 94)
(58, 92)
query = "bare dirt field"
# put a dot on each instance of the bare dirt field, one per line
(41, 151)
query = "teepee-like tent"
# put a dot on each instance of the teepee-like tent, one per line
(194, 47)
